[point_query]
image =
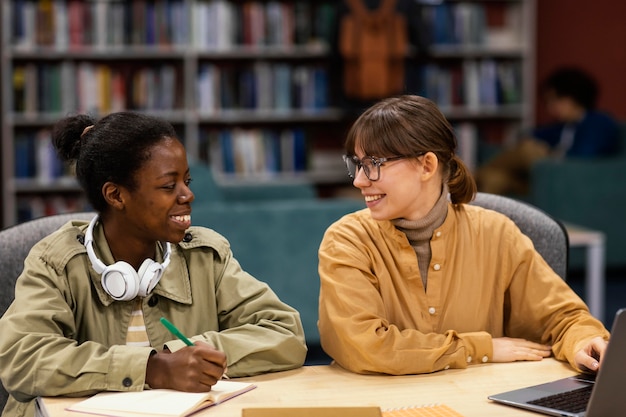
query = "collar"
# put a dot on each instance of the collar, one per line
(422, 229)
(174, 284)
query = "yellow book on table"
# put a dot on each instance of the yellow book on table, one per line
(159, 402)
(435, 410)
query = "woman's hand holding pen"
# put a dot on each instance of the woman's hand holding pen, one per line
(193, 369)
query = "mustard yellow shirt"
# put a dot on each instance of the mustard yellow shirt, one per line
(484, 280)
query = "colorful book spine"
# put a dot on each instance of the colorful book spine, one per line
(217, 24)
(252, 152)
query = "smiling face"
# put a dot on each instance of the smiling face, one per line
(402, 127)
(407, 188)
(159, 207)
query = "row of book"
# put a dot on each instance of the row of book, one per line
(35, 158)
(97, 88)
(238, 151)
(261, 86)
(467, 143)
(266, 152)
(222, 24)
(470, 23)
(205, 24)
(246, 152)
(472, 83)
(255, 152)
(477, 141)
(29, 208)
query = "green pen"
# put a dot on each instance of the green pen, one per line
(175, 331)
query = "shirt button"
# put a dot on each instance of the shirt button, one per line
(469, 359)
(432, 310)
(485, 359)
(445, 368)
(154, 300)
(127, 382)
(438, 234)
(436, 267)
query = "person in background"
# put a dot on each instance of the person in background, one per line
(87, 308)
(420, 281)
(579, 130)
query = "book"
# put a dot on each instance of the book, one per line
(159, 402)
(311, 411)
(435, 410)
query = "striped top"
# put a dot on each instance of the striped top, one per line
(137, 335)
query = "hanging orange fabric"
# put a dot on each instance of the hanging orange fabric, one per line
(373, 44)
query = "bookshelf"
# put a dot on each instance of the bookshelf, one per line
(480, 69)
(245, 83)
(250, 86)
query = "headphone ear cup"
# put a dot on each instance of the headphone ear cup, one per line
(120, 281)
(149, 275)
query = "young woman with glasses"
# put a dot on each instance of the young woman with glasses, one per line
(420, 281)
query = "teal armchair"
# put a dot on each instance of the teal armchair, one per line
(274, 231)
(207, 189)
(590, 193)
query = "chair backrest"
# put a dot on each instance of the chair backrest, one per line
(547, 233)
(15, 243)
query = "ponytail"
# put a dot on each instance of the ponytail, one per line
(460, 182)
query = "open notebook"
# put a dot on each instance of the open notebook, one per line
(159, 402)
(581, 395)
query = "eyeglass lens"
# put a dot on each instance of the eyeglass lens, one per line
(366, 164)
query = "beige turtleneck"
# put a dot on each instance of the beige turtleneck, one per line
(419, 232)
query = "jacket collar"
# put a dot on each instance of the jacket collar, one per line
(174, 283)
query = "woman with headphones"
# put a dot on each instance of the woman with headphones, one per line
(88, 304)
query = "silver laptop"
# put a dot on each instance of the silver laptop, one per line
(600, 395)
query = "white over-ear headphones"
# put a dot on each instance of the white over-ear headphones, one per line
(120, 280)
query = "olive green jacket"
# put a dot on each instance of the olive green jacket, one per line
(64, 335)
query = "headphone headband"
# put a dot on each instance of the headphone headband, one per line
(120, 280)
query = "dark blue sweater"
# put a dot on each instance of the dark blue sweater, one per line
(597, 134)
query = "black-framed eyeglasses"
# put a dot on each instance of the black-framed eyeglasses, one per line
(371, 164)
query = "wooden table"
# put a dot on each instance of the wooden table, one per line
(464, 390)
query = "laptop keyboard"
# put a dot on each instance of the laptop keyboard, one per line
(574, 401)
